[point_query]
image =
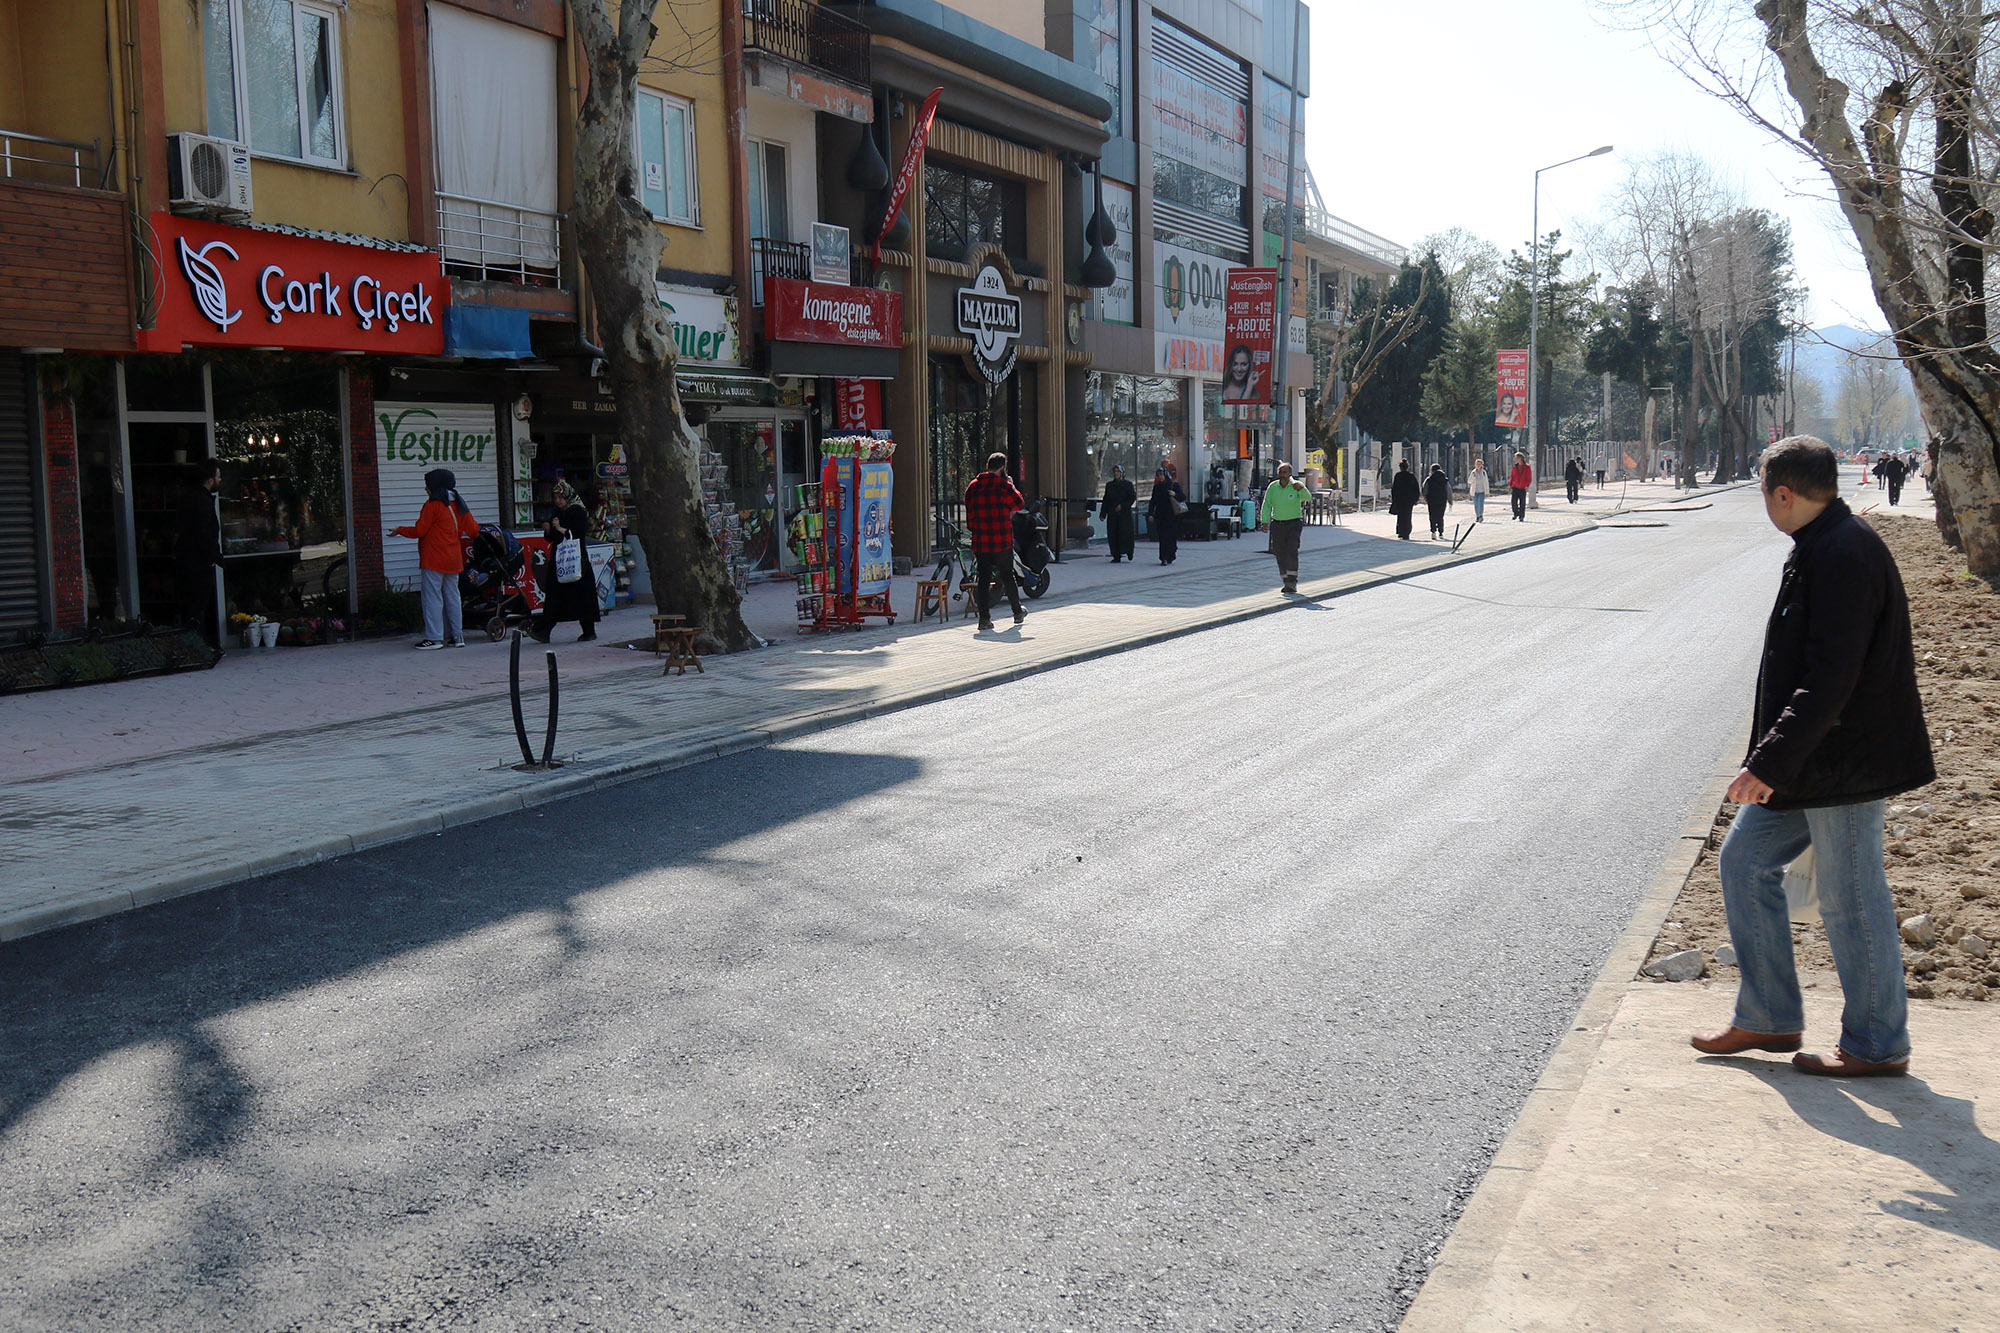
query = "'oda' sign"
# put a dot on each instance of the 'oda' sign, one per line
(241, 287)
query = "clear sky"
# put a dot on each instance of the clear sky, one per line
(1431, 114)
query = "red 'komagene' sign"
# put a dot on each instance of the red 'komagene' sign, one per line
(814, 312)
(224, 286)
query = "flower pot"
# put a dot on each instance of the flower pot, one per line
(268, 633)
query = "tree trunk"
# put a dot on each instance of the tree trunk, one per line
(620, 247)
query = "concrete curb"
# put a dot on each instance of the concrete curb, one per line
(1450, 1295)
(585, 777)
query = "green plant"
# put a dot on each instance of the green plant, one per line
(399, 607)
(76, 663)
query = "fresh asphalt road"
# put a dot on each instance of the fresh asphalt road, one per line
(1186, 988)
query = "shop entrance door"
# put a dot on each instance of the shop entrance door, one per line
(167, 429)
(764, 455)
(797, 466)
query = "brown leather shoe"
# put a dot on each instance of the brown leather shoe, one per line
(1734, 1041)
(1842, 1065)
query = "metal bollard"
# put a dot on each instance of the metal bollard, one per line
(548, 759)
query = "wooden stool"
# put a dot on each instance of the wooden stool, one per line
(679, 640)
(933, 595)
(662, 623)
(968, 588)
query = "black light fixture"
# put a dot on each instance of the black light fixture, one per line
(1097, 270)
(868, 169)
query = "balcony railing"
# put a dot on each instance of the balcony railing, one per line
(777, 259)
(808, 34)
(496, 242)
(36, 157)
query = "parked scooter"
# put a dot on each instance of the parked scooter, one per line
(1032, 555)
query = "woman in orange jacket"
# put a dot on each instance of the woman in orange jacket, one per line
(442, 521)
(1519, 479)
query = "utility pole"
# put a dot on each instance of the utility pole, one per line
(1283, 379)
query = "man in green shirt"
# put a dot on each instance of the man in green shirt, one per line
(1284, 512)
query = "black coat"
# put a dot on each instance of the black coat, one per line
(1437, 490)
(197, 531)
(1573, 471)
(1403, 493)
(1839, 720)
(570, 601)
(1161, 503)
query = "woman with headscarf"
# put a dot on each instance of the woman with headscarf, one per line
(1437, 496)
(566, 601)
(440, 523)
(1119, 497)
(1163, 512)
(1403, 497)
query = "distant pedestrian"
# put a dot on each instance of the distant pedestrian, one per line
(1284, 512)
(990, 502)
(1892, 469)
(1479, 483)
(1927, 469)
(1163, 511)
(1403, 497)
(1573, 478)
(198, 551)
(1519, 478)
(577, 599)
(1839, 728)
(1600, 479)
(440, 558)
(1437, 498)
(1119, 498)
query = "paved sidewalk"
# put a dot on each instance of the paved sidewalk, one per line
(146, 790)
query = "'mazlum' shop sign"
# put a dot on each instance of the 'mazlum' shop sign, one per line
(990, 316)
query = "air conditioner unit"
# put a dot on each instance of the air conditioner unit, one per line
(208, 176)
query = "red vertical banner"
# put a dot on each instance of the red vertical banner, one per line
(1250, 321)
(913, 157)
(1511, 389)
(857, 405)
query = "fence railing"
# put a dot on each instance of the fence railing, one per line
(777, 259)
(499, 242)
(808, 34)
(37, 157)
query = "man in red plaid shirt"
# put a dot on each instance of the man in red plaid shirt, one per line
(990, 502)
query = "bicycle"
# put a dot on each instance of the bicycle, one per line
(957, 551)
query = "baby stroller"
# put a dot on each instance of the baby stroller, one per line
(496, 584)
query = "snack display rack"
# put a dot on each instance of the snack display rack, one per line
(824, 539)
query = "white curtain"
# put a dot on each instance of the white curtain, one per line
(493, 114)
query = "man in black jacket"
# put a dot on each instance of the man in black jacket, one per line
(1892, 470)
(1573, 478)
(1839, 728)
(198, 551)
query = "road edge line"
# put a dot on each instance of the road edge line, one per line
(1449, 1297)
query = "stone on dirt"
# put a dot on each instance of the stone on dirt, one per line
(1725, 956)
(1683, 966)
(1920, 930)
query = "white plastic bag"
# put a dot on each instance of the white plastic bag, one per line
(569, 560)
(1802, 890)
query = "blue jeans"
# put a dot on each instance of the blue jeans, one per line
(1478, 506)
(1860, 917)
(441, 606)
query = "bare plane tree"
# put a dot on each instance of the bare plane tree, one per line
(621, 249)
(1914, 179)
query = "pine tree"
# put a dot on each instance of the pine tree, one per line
(1458, 386)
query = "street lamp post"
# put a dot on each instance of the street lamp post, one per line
(1534, 326)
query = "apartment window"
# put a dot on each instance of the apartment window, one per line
(770, 215)
(665, 150)
(272, 69)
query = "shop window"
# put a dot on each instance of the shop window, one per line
(969, 421)
(665, 149)
(272, 70)
(283, 492)
(769, 214)
(963, 210)
(1133, 422)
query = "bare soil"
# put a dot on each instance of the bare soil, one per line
(1943, 840)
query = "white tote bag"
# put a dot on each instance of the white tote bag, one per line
(569, 560)
(1802, 890)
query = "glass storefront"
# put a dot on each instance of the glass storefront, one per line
(765, 456)
(1239, 439)
(283, 493)
(970, 421)
(1135, 422)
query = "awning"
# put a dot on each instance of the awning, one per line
(487, 331)
(813, 359)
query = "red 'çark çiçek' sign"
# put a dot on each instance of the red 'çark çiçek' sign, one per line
(240, 287)
(812, 312)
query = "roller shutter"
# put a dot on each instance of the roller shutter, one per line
(410, 440)
(20, 544)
